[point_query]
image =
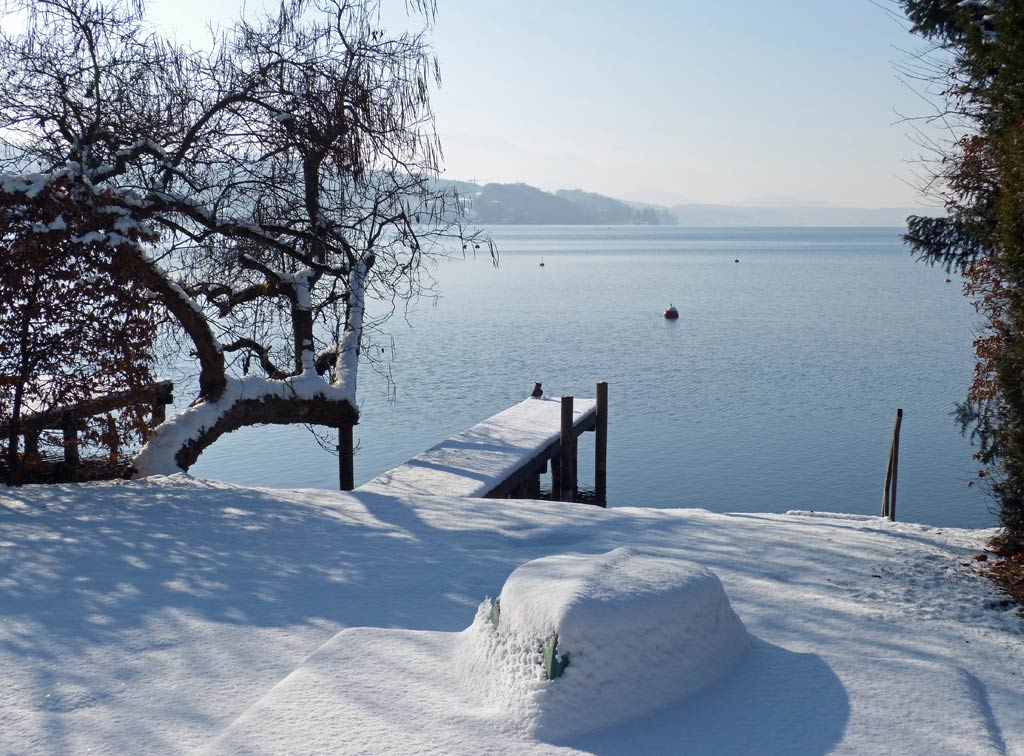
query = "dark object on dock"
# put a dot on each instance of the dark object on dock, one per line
(671, 313)
(892, 471)
(68, 465)
(538, 392)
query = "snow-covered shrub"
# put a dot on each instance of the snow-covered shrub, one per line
(578, 642)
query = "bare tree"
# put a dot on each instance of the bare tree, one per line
(290, 173)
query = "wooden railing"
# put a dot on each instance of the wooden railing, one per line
(69, 418)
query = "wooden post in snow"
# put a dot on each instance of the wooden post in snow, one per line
(32, 444)
(566, 453)
(601, 446)
(164, 396)
(346, 458)
(892, 471)
(69, 427)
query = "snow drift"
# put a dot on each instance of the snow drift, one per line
(579, 642)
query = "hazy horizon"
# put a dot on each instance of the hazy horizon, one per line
(763, 202)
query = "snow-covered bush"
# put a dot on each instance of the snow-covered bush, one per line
(578, 642)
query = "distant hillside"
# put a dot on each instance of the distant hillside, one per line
(527, 205)
(608, 211)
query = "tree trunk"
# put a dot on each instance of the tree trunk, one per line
(212, 373)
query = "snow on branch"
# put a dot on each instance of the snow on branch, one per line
(161, 454)
(348, 357)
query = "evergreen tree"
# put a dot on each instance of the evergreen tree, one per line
(983, 233)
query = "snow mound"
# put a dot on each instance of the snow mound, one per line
(579, 642)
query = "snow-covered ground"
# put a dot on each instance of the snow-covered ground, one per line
(181, 616)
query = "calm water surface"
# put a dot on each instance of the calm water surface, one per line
(776, 389)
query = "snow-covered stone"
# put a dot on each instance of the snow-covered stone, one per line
(577, 642)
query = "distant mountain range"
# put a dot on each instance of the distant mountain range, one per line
(528, 205)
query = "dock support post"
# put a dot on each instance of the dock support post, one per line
(533, 486)
(567, 453)
(601, 446)
(892, 471)
(346, 461)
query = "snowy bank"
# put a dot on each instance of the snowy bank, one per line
(180, 616)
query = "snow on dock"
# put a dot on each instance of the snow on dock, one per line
(483, 460)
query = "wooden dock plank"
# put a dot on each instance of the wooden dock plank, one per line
(491, 458)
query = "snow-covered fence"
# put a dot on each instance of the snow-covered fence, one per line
(68, 419)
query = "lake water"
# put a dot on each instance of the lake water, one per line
(776, 389)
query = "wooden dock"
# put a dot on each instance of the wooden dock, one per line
(505, 455)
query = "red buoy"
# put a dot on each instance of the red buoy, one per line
(671, 313)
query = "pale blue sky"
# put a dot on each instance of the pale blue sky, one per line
(663, 100)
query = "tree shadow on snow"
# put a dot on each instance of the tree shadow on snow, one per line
(80, 569)
(100, 585)
(776, 702)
